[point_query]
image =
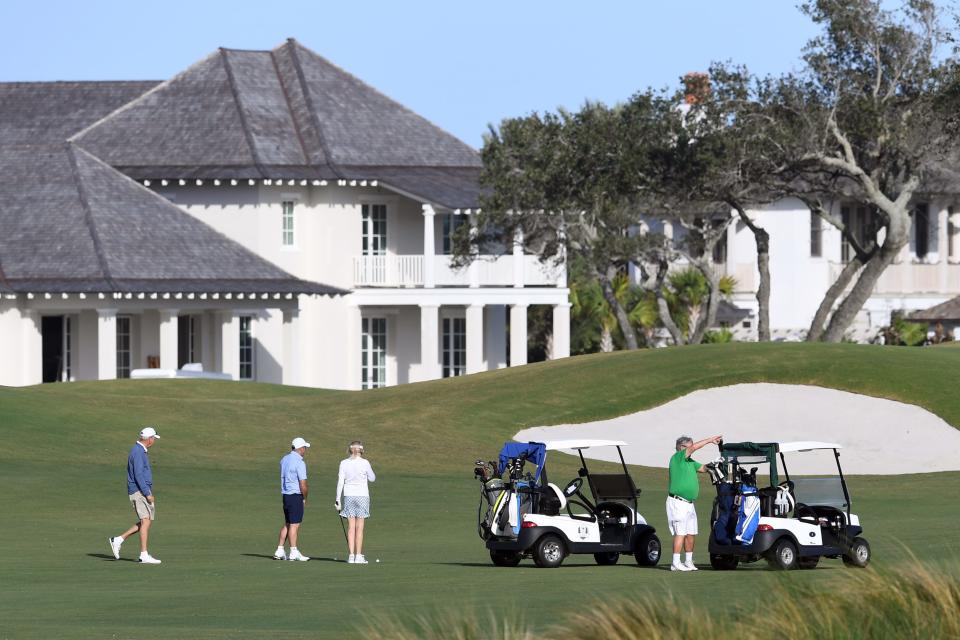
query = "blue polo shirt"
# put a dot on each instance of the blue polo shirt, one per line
(139, 475)
(292, 470)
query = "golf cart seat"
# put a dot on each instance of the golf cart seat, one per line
(613, 513)
(552, 500)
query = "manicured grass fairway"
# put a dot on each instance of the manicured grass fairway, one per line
(63, 447)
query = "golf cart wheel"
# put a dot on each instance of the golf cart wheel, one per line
(549, 552)
(783, 556)
(607, 557)
(809, 562)
(859, 555)
(723, 563)
(647, 551)
(505, 558)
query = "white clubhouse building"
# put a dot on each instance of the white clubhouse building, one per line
(807, 254)
(263, 214)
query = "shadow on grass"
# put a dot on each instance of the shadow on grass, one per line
(270, 557)
(488, 565)
(104, 556)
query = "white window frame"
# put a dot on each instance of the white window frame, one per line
(252, 347)
(66, 374)
(124, 355)
(367, 228)
(451, 222)
(288, 223)
(453, 352)
(816, 235)
(373, 356)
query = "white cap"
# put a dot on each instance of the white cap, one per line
(148, 432)
(299, 442)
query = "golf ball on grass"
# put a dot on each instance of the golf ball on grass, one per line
(378, 559)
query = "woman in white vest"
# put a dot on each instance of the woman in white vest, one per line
(352, 480)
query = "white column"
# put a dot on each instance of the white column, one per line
(495, 336)
(518, 260)
(106, 344)
(291, 346)
(430, 342)
(954, 220)
(169, 344)
(230, 343)
(207, 341)
(473, 271)
(31, 348)
(561, 331)
(942, 239)
(474, 338)
(354, 345)
(518, 334)
(429, 246)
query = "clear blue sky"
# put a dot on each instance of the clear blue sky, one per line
(462, 65)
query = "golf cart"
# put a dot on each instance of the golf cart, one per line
(790, 522)
(528, 516)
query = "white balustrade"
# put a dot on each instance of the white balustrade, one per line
(493, 271)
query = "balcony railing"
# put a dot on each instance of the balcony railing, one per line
(487, 271)
(907, 277)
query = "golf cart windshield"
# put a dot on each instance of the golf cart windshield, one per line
(820, 492)
(753, 453)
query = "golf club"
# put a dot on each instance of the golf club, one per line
(344, 529)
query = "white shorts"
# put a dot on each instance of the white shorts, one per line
(681, 517)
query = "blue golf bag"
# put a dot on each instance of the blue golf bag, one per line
(749, 514)
(723, 527)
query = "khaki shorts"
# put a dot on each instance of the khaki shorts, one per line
(143, 508)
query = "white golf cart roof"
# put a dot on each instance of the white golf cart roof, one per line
(790, 447)
(554, 445)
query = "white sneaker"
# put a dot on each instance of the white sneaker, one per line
(115, 546)
(296, 555)
(146, 558)
(359, 559)
(280, 555)
(351, 559)
(679, 567)
(691, 567)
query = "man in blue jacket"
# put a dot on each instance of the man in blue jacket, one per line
(140, 490)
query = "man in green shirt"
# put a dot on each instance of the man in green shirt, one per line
(683, 490)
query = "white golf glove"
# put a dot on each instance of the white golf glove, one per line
(336, 505)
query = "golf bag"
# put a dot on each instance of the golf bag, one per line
(749, 516)
(492, 494)
(726, 514)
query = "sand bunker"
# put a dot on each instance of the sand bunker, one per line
(878, 436)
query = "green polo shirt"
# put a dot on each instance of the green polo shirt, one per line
(683, 476)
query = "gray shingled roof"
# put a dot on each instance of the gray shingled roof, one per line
(71, 223)
(285, 113)
(38, 112)
(949, 310)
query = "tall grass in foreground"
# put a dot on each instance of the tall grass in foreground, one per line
(919, 602)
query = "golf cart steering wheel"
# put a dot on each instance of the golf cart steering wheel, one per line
(573, 487)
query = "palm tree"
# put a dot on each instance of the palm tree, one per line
(687, 292)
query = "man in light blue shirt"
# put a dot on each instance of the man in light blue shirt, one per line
(140, 491)
(293, 489)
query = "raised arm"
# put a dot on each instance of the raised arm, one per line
(702, 443)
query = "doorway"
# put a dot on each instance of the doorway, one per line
(51, 332)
